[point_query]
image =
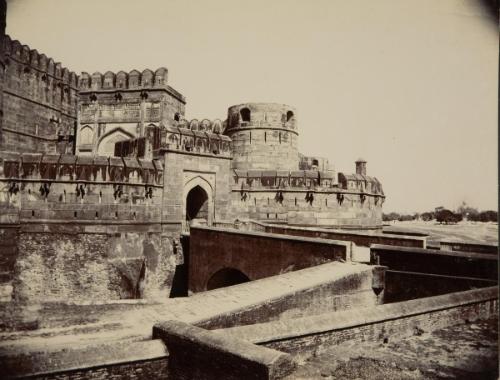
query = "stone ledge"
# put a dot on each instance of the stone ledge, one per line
(264, 333)
(472, 255)
(53, 361)
(199, 353)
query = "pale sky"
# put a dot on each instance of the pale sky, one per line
(409, 85)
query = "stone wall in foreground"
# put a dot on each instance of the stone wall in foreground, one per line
(78, 266)
(305, 336)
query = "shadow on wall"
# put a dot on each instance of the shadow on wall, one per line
(180, 280)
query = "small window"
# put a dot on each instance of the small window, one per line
(177, 117)
(289, 115)
(245, 114)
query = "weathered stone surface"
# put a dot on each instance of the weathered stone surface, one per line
(86, 267)
(195, 353)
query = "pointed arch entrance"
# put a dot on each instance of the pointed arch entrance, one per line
(198, 202)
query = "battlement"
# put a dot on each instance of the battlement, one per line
(360, 182)
(79, 189)
(304, 179)
(262, 115)
(123, 81)
(48, 168)
(197, 137)
(30, 59)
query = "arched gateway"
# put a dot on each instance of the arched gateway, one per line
(198, 202)
(197, 205)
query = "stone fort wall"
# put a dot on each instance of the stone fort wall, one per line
(306, 197)
(83, 228)
(39, 102)
(53, 202)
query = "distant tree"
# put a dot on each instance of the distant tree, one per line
(405, 218)
(390, 217)
(466, 211)
(485, 216)
(427, 216)
(446, 216)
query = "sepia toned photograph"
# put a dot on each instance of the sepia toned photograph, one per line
(259, 189)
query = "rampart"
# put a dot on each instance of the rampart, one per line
(39, 103)
(83, 228)
(62, 188)
(306, 197)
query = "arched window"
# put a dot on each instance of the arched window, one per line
(86, 135)
(245, 114)
(289, 115)
(177, 117)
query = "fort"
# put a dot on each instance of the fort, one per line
(114, 207)
(111, 158)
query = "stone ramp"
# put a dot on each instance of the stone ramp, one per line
(263, 300)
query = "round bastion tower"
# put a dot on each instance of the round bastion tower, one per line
(264, 136)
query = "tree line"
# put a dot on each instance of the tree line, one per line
(443, 215)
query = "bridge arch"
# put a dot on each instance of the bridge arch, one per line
(226, 277)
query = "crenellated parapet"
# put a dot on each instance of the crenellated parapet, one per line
(197, 137)
(31, 59)
(30, 65)
(44, 96)
(123, 81)
(360, 182)
(308, 180)
(48, 168)
(205, 125)
(67, 188)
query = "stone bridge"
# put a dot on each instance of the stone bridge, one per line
(222, 257)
